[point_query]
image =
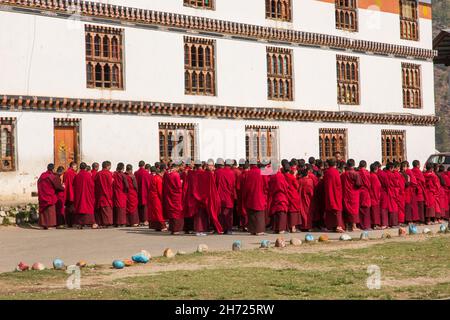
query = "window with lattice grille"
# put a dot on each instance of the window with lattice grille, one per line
(393, 145)
(409, 22)
(200, 4)
(347, 79)
(177, 141)
(279, 74)
(104, 57)
(261, 142)
(332, 141)
(411, 79)
(7, 144)
(279, 10)
(199, 66)
(346, 12)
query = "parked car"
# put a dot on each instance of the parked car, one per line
(440, 158)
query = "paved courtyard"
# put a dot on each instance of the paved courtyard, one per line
(103, 246)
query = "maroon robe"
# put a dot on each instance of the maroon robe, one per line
(401, 195)
(364, 199)
(143, 179)
(68, 178)
(278, 201)
(432, 189)
(172, 201)
(226, 188)
(333, 199)
(104, 197)
(48, 186)
(351, 183)
(132, 200)
(420, 193)
(156, 217)
(243, 218)
(393, 195)
(295, 216)
(411, 209)
(84, 198)
(254, 197)
(375, 199)
(306, 192)
(120, 190)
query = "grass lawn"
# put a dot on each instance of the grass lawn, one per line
(416, 267)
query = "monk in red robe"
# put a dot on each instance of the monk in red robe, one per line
(420, 191)
(104, 195)
(400, 192)
(254, 197)
(68, 177)
(333, 198)
(132, 198)
(393, 195)
(143, 179)
(442, 199)
(157, 220)
(84, 199)
(172, 199)
(243, 217)
(375, 196)
(210, 196)
(351, 184)
(237, 169)
(293, 216)
(365, 201)
(94, 170)
(48, 186)
(226, 188)
(278, 201)
(60, 209)
(120, 190)
(306, 192)
(193, 207)
(410, 183)
(384, 197)
(432, 187)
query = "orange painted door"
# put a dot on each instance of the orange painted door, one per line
(66, 146)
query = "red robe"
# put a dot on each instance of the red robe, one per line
(278, 194)
(365, 200)
(384, 182)
(411, 194)
(333, 190)
(48, 185)
(400, 198)
(155, 199)
(293, 194)
(143, 179)
(192, 199)
(375, 190)
(84, 196)
(306, 192)
(103, 189)
(240, 203)
(210, 197)
(120, 190)
(442, 199)
(132, 197)
(432, 187)
(420, 190)
(172, 196)
(226, 187)
(93, 174)
(254, 190)
(68, 178)
(392, 191)
(351, 183)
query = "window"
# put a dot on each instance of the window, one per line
(177, 141)
(199, 66)
(409, 25)
(393, 145)
(346, 15)
(279, 10)
(261, 143)
(279, 74)
(200, 4)
(412, 95)
(347, 79)
(7, 144)
(332, 141)
(104, 57)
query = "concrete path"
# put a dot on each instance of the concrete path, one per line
(103, 246)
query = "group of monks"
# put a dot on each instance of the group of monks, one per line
(219, 197)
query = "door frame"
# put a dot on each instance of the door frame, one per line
(68, 123)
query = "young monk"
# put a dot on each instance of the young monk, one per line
(254, 197)
(306, 192)
(443, 197)
(351, 184)
(432, 186)
(84, 199)
(94, 170)
(172, 199)
(410, 186)
(155, 209)
(60, 210)
(278, 201)
(143, 179)
(243, 217)
(132, 198)
(48, 186)
(104, 195)
(375, 196)
(420, 190)
(364, 197)
(293, 216)
(68, 177)
(120, 190)
(333, 198)
(226, 188)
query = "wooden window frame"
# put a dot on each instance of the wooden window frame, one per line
(409, 26)
(200, 4)
(252, 150)
(8, 162)
(412, 86)
(199, 63)
(280, 10)
(109, 60)
(277, 75)
(387, 146)
(347, 73)
(344, 9)
(165, 129)
(328, 151)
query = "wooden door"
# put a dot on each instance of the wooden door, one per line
(66, 146)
